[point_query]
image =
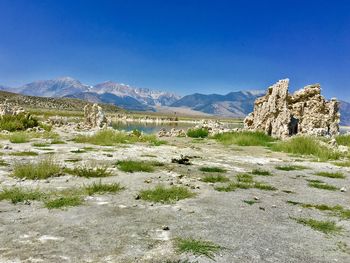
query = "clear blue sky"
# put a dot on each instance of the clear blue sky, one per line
(183, 46)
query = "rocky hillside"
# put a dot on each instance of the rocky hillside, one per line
(107, 92)
(233, 104)
(50, 103)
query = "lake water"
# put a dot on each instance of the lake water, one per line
(156, 127)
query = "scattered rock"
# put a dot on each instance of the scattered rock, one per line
(282, 115)
(137, 197)
(165, 228)
(343, 189)
(182, 160)
(256, 198)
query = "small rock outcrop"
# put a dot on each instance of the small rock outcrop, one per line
(94, 117)
(281, 114)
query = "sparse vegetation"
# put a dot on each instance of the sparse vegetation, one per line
(112, 137)
(27, 153)
(327, 227)
(40, 170)
(131, 166)
(291, 167)
(322, 185)
(343, 140)
(18, 122)
(161, 194)
(62, 202)
(19, 137)
(197, 247)
(100, 188)
(16, 194)
(89, 172)
(244, 138)
(308, 146)
(215, 179)
(343, 163)
(245, 181)
(250, 202)
(197, 133)
(212, 170)
(261, 172)
(337, 175)
(40, 144)
(3, 163)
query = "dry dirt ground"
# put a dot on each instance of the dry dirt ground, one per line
(121, 228)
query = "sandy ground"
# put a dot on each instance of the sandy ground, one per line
(119, 228)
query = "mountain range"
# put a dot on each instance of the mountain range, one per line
(234, 104)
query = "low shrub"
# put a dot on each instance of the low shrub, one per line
(18, 122)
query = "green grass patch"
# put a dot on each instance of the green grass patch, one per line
(337, 175)
(250, 202)
(64, 201)
(261, 172)
(161, 194)
(212, 169)
(36, 170)
(78, 151)
(304, 145)
(327, 227)
(89, 172)
(244, 138)
(197, 133)
(291, 168)
(19, 137)
(100, 188)
(26, 153)
(197, 247)
(322, 185)
(112, 137)
(57, 141)
(3, 163)
(17, 195)
(73, 160)
(215, 179)
(131, 166)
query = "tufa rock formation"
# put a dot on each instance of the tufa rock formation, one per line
(94, 116)
(9, 109)
(281, 114)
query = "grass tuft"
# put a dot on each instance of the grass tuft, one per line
(342, 164)
(100, 188)
(343, 140)
(112, 137)
(62, 202)
(19, 137)
(197, 247)
(291, 168)
(16, 194)
(28, 153)
(304, 145)
(212, 170)
(322, 185)
(261, 172)
(337, 175)
(244, 138)
(198, 133)
(131, 166)
(327, 227)
(215, 179)
(160, 194)
(40, 170)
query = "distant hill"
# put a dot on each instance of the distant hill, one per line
(50, 103)
(345, 113)
(233, 104)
